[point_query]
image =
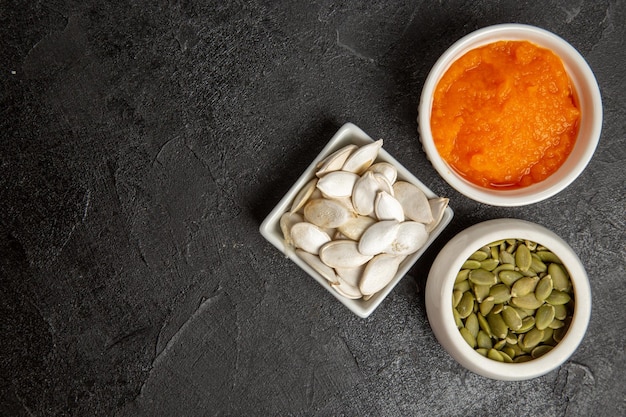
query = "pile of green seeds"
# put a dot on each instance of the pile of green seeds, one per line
(513, 300)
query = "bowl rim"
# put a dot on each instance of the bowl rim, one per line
(439, 293)
(270, 229)
(580, 75)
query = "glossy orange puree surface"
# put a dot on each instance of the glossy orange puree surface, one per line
(505, 115)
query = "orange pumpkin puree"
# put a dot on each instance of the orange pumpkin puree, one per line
(505, 115)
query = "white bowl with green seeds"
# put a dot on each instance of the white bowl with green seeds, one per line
(508, 299)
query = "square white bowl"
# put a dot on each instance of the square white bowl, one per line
(270, 228)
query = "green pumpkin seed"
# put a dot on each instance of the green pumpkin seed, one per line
(509, 351)
(486, 306)
(558, 297)
(522, 359)
(500, 344)
(560, 312)
(461, 275)
(523, 260)
(523, 313)
(483, 340)
(520, 343)
(489, 264)
(466, 305)
(544, 316)
(456, 297)
(528, 311)
(484, 324)
(516, 348)
(539, 351)
(527, 324)
(530, 273)
(497, 308)
(506, 258)
(495, 355)
(509, 277)
(500, 293)
(471, 324)
(503, 267)
(479, 255)
(560, 278)
(457, 318)
(462, 286)
(505, 357)
(532, 338)
(544, 288)
(559, 334)
(498, 327)
(511, 318)
(482, 351)
(511, 339)
(531, 245)
(494, 252)
(537, 265)
(512, 245)
(556, 324)
(482, 277)
(468, 337)
(527, 301)
(547, 335)
(548, 257)
(481, 292)
(471, 264)
(524, 286)
(496, 243)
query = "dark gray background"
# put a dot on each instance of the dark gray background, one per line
(143, 142)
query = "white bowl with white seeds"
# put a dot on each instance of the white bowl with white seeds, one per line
(356, 220)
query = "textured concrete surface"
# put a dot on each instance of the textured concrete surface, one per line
(143, 142)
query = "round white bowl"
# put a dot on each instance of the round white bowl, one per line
(587, 91)
(440, 285)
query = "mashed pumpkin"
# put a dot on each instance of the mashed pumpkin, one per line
(505, 115)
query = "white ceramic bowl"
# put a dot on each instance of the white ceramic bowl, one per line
(270, 228)
(440, 285)
(590, 103)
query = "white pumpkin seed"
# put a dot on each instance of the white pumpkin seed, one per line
(339, 236)
(342, 254)
(379, 272)
(303, 195)
(387, 207)
(365, 191)
(347, 290)
(287, 220)
(437, 207)
(355, 226)
(362, 158)
(410, 237)
(385, 169)
(316, 194)
(384, 183)
(337, 184)
(351, 275)
(378, 237)
(308, 237)
(326, 213)
(316, 263)
(335, 160)
(414, 202)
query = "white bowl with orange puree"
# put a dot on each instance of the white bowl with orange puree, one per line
(510, 115)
